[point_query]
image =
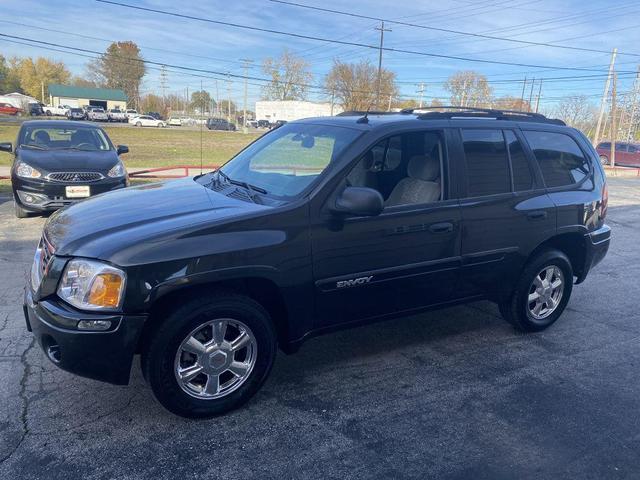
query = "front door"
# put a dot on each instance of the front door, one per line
(404, 259)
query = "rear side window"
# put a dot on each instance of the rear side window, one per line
(561, 160)
(487, 163)
(522, 176)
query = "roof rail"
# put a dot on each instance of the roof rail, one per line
(360, 113)
(498, 114)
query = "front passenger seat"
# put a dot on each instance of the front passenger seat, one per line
(422, 185)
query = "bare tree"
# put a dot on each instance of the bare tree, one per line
(577, 111)
(290, 77)
(468, 89)
(355, 85)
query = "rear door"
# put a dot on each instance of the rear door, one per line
(505, 209)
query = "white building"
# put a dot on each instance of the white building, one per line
(18, 100)
(293, 110)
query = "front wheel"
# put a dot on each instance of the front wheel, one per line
(210, 356)
(138, 124)
(19, 211)
(604, 160)
(541, 294)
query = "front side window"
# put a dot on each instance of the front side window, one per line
(287, 160)
(405, 169)
(561, 160)
(51, 138)
(487, 163)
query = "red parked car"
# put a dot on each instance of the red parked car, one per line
(9, 109)
(627, 154)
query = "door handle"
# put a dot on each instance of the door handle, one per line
(537, 215)
(443, 227)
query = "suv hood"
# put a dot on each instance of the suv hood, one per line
(69, 160)
(107, 225)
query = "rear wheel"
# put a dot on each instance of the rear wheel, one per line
(210, 356)
(541, 294)
(604, 160)
(138, 124)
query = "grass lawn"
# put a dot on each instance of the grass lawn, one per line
(158, 147)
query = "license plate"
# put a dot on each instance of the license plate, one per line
(77, 191)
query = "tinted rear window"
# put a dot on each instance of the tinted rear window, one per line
(487, 163)
(561, 160)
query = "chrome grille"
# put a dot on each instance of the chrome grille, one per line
(75, 177)
(47, 252)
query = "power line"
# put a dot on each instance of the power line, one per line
(340, 42)
(446, 30)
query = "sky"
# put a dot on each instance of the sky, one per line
(587, 24)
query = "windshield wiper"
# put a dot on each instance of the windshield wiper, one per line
(32, 145)
(240, 183)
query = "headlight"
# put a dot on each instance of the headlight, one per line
(118, 170)
(27, 171)
(92, 285)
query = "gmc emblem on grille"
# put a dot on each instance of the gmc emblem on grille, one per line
(353, 282)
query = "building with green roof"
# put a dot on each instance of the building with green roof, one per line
(73, 96)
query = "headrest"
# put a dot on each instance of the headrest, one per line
(42, 137)
(424, 167)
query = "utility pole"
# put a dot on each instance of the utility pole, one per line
(421, 92)
(42, 92)
(163, 84)
(614, 124)
(228, 99)
(246, 62)
(217, 100)
(539, 94)
(524, 85)
(533, 82)
(605, 94)
(333, 100)
(634, 107)
(382, 30)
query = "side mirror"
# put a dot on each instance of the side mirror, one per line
(120, 149)
(359, 201)
(6, 147)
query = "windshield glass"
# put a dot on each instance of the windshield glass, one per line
(285, 161)
(74, 138)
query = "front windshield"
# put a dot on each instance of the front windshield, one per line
(69, 138)
(285, 161)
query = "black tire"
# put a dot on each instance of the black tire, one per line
(515, 310)
(604, 160)
(160, 354)
(19, 211)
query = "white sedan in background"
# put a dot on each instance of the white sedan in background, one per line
(147, 121)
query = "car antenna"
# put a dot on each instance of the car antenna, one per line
(364, 118)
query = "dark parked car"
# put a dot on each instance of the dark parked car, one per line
(317, 225)
(57, 163)
(278, 123)
(264, 124)
(76, 114)
(220, 124)
(155, 115)
(35, 109)
(627, 154)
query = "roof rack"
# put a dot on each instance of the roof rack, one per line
(471, 112)
(360, 113)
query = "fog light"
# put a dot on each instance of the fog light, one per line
(31, 198)
(94, 325)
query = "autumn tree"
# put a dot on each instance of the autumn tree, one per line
(468, 89)
(355, 85)
(79, 81)
(122, 67)
(289, 75)
(152, 103)
(9, 77)
(34, 75)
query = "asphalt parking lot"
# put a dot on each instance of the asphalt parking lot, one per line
(449, 394)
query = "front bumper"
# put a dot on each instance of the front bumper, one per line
(596, 248)
(100, 355)
(56, 192)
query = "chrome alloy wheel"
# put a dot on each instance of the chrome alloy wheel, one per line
(216, 358)
(545, 292)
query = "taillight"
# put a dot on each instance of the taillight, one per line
(604, 202)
